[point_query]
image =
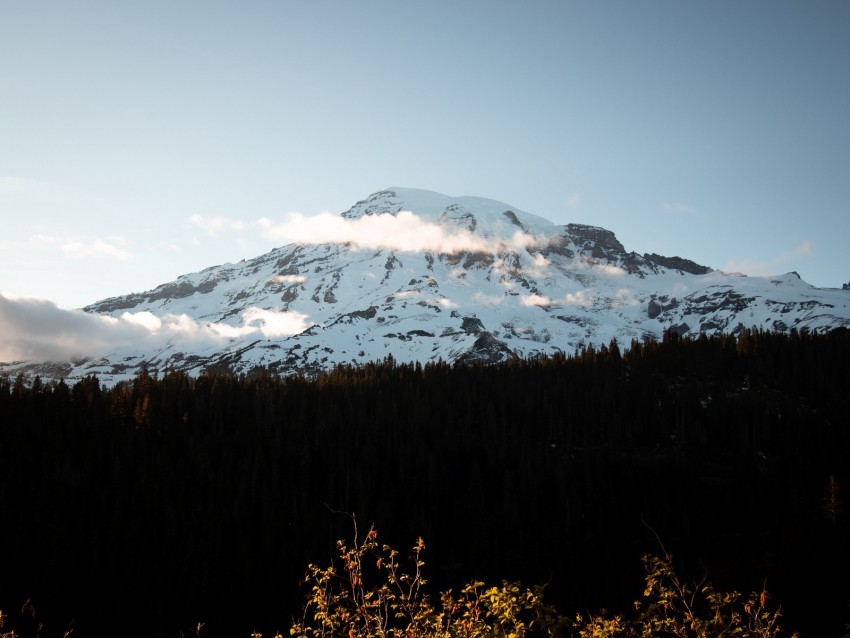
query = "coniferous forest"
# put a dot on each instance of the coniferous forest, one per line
(150, 506)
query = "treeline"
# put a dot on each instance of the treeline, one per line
(156, 504)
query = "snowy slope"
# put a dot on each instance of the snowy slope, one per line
(454, 278)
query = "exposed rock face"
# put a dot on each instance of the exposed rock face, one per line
(724, 299)
(661, 304)
(603, 238)
(595, 243)
(175, 290)
(679, 329)
(678, 263)
(559, 245)
(486, 349)
(472, 325)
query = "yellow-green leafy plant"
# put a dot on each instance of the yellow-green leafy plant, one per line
(368, 592)
(674, 608)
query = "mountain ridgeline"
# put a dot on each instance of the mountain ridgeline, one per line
(150, 505)
(430, 277)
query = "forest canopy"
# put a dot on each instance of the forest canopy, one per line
(169, 500)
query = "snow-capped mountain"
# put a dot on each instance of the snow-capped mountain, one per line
(437, 277)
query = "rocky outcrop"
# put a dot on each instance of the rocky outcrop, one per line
(176, 290)
(601, 237)
(677, 263)
(657, 305)
(558, 245)
(725, 299)
(486, 349)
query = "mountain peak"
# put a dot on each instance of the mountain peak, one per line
(494, 281)
(420, 201)
(488, 217)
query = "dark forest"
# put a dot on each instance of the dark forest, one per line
(150, 506)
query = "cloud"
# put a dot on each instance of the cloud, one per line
(610, 269)
(680, 209)
(77, 246)
(772, 266)
(580, 298)
(536, 300)
(626, 296)
(145, 319)
(448, 304)
(275, 323)
(573, 200)
(214, 225)
(405, 232)
(38, 330)
(538, 266)
(289, 279)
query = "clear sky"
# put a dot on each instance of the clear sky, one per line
(143, 140)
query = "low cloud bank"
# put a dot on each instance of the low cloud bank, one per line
(38, 330)
(404, 232)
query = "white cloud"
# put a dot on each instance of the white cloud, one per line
(803, 250)
(275, 323)
(610, 269)
(573, 200)
(580, 298)
(448, 304)
(627, 297)
(146, 320)
(596, 267)
(289, 279)
(772, 266)
(538, 266)
(536, 300)
(78, 246)
(405, 232)
(95, 247)
(38, 330)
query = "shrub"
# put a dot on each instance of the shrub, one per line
(675, 608)
(369, 592)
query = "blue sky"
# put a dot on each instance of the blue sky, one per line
(141, 141)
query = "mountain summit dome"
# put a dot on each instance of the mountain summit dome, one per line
(490, 216)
